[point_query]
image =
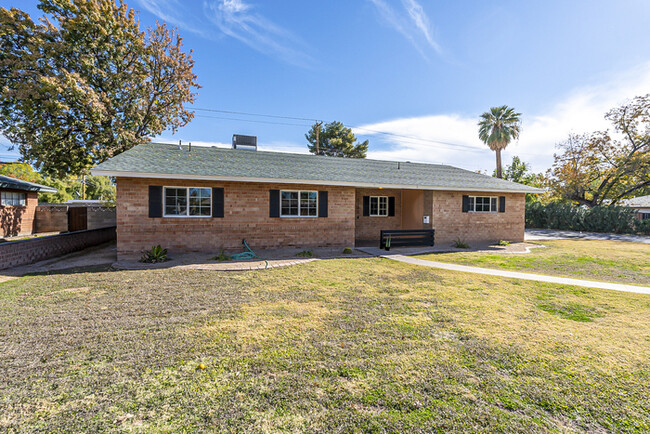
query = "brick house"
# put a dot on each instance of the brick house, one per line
(641, 205)
(204, 199)
(18, 202)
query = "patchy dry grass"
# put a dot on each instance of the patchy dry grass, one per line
(365, 345)
(614, 261)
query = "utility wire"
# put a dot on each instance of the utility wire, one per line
(254, 114)
(471, 148)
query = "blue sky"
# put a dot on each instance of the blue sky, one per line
(416, 68)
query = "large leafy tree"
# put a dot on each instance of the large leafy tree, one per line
(85, 83)
(335, 140)
(497, 128)
(602, 168)
(70, 187)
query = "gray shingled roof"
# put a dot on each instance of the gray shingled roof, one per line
(638, 202)
(18, 184)
(157, 160)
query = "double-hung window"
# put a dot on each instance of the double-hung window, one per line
(10, 198)
(187, 202)
(378, 206)
(483, 204)
(298, 203)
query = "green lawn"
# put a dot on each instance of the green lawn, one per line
(614, 261)
(350, 345)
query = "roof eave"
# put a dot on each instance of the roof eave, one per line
(114, 173)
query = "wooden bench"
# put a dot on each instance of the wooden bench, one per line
(406, 237)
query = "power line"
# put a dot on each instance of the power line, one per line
(254, 114)
(471, 148)
(251, 120)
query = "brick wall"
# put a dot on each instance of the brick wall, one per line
(51, 218)
(18, 220)
(246, 215)
(450, 222)
(54, 217)
(367, 228)
(101, 217)
(15, 253)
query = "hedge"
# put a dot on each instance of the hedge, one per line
(611, 219)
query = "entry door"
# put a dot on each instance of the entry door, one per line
(412, 209)
(77, 218)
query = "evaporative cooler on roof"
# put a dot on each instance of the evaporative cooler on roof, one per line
(244, 142)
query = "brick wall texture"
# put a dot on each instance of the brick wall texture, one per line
(15, 253)
(19, 220)
(54, 217)
(246, 215)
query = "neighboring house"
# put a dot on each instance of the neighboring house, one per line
(205, 199)
(641, 204)
(18, 201)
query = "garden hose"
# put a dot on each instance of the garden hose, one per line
(250, 254)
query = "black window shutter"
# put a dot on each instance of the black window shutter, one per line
(391, 206)
(274, 203)
(366, 205)
(322, 204)
(155, 201)
(465, 203)
(217, 202)
(502, 204)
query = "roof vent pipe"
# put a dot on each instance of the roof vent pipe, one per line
(179, 145)
(190, 147)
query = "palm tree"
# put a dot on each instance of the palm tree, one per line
(497, 128)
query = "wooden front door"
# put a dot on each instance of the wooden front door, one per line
(77, 218)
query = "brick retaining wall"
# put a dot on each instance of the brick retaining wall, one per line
(23, 252)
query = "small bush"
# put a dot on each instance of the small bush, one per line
(305, 254)
(222, 256)
(154, 255)
(503, 243)
(347, 250)
(460, 244)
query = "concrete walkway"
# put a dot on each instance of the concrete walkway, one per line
(556, 234)
(524, 276)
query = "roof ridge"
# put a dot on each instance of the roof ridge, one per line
(303, 155)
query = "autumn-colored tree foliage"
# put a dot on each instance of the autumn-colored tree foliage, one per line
(603, 168)
(85, 83)
(336, 140)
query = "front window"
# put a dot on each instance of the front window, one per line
(188, 202)
(299, 203)
(482, 204)
(9, 198)
(378, 206)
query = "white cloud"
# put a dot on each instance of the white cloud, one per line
(412, 22)
(235, 19)
(239, 20)
(581, 111)
(172, 12)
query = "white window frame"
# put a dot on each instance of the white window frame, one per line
(22, 198)
(187, 210)
(299, 207)
(493, 200)
(379, 213)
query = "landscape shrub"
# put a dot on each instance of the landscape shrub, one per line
(460, 244)
(564, 216)
(154, 255)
